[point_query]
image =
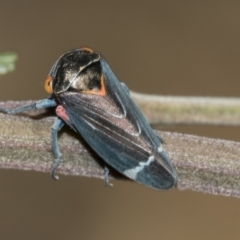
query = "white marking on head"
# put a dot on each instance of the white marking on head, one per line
(132, 173)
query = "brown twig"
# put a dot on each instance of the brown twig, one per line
(202, 164)
(189, 110)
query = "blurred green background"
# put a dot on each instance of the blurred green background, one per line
(159, 47)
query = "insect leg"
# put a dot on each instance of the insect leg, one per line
(106, 177)
(44, 103)
(56, 127)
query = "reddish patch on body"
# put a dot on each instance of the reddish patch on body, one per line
(61, 112)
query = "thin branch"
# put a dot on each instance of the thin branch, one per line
(189, 110)
(202, 164)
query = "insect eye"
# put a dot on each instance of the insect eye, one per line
(48, 85)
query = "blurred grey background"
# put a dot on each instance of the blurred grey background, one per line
(158, 47)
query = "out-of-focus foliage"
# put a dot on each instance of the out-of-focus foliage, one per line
(7, 62)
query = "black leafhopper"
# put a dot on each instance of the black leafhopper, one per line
(89, 98)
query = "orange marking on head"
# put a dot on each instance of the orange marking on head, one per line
(101, 92)
(87, 49)
(48, 85)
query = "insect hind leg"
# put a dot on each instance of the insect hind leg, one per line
(56, 127)
(106, 177)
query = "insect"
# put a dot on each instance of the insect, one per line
(88, 97)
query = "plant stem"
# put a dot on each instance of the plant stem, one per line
(203, 164)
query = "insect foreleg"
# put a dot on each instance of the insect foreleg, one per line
(45, 103)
